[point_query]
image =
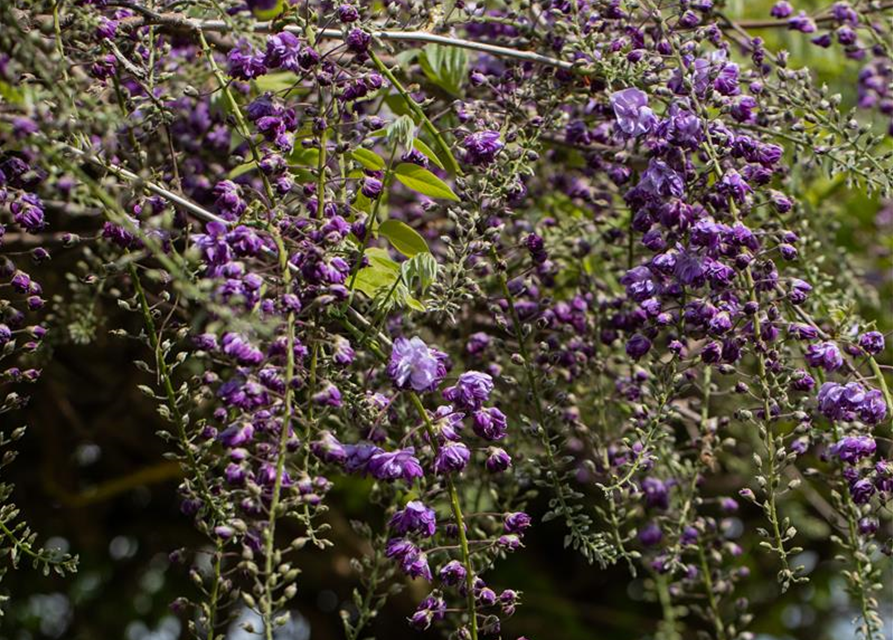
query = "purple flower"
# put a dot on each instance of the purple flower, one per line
(802, 381)
(348, 14)
(359, 456)
(245, 62)
(851, 449)
(656, 494)
(734, 185)
(285, 51)
(516, 522)
(481, 147)
(107, 28)
(872, 342)
(431, 609)
(448, 421)
(470, 391)
(5, 334)
(328, 396)
(414, 518)
(452, 457)
(391, 465)
(802, 23)
(490, 423)
(639, 283)
(873, 409)
(862, 490)
(452, 573)
(414, 366)
(417, 566)
(497, 460)
(799, 291)
(372, 187)
(868, 526)
(803, 331)
(27, 211)
(650, 535)
(660, 180)
(413, 562)
(358, 41)
(825, 355)
(638, 346)
(726, 82)
(237, 347)
(328, 449)
(634, 117)
(477, 343)
(782, 9)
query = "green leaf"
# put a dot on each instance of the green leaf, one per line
(445, 66)
(414, 304)
(305, 157)
(423, 181)
(382, 257)
(420, 271)
(404, 238)
(402, 131)
(381, 272)
(11, 94)
(242, 169)
(397, 104)
(368, 159)
(269, 14)
(428, 152)
(276, 82)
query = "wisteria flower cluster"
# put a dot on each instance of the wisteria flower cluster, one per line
(467, 259)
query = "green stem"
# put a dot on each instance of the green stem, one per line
(57, 29)
(241, 123)
(882, 382)
(215, 590)
(457, 515)
(711, 597)
(171, 396)
(669, 630)
(453, 166)
(270, 533)
(533, 387)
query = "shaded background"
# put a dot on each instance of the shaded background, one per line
(91, 479)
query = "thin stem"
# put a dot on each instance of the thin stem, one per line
(533, 388)
(241, 123)
(171, 396)
(711, 597)
(669, 630)
(417, 110)
(882, 382)
(457, 515)
(215, 590)
(270, 533)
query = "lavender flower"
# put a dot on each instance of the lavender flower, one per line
(516, 522)
(634, 117)
(414, 518)
(872, 342)
(414, 366)
(825, 355)
(393, 465)
(490, 423)
(481, 147)
(451, 458)
(497, 460)
(471, 391)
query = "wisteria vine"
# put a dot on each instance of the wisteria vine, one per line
(469, 254)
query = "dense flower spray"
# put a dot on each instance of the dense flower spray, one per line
(464, 275)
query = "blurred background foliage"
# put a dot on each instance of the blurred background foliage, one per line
(92, 479)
